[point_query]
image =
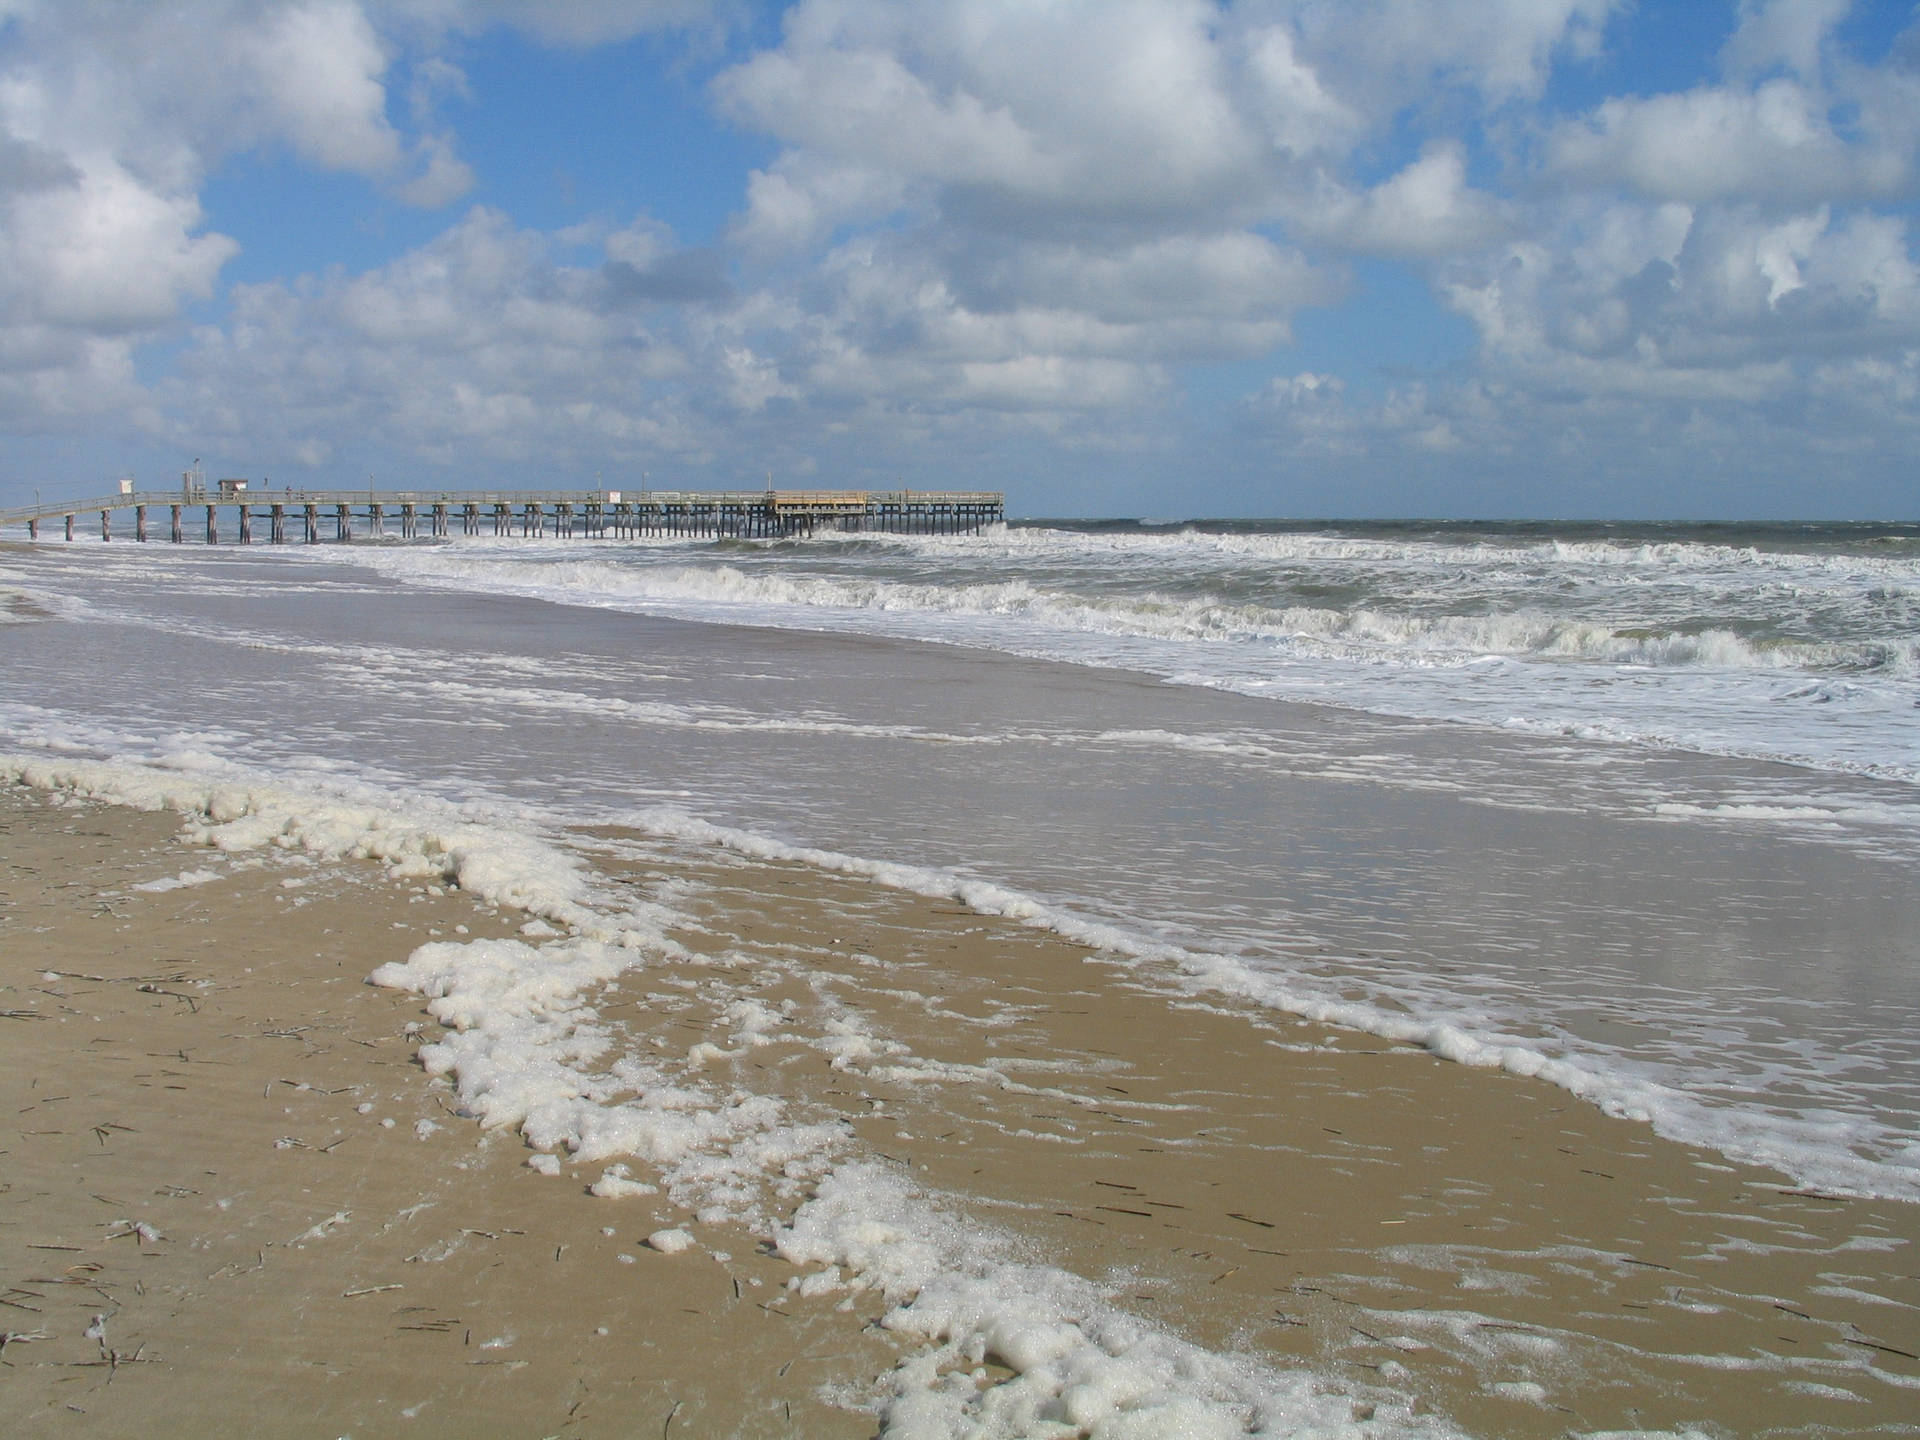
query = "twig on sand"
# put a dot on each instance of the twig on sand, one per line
(143, 1234)
(1876, 1345)
(192, 1003)
(260, 1263)
(668, 1423)
(114, 1359)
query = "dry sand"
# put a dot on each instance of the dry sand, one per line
(194, 1062)
(187, 1158)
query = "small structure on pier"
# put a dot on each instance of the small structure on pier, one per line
(561, 514)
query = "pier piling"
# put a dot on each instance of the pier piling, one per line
(589, 515)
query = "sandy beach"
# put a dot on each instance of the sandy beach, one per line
(234, 1202)
(960, 720)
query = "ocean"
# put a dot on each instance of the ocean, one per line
(1633, 809)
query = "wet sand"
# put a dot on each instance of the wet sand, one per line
(1518, 1260)
(187, 1157)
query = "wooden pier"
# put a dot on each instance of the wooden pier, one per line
(311, 516)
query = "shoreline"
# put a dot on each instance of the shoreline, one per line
(1484, 1247)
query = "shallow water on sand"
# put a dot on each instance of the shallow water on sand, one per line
(1727, 947)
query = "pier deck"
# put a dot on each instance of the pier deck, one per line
(341, 515)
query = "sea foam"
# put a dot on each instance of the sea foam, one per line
(525, 1049)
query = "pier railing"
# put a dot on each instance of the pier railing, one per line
(562, 513)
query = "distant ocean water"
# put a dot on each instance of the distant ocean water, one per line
(1635, 808)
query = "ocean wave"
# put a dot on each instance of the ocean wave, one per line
(1668, 559)
(1363, 634)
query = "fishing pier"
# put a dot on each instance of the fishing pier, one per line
(281, 517)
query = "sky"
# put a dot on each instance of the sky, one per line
(1154, 258)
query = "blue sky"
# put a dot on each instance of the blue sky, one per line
(1157, 257)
